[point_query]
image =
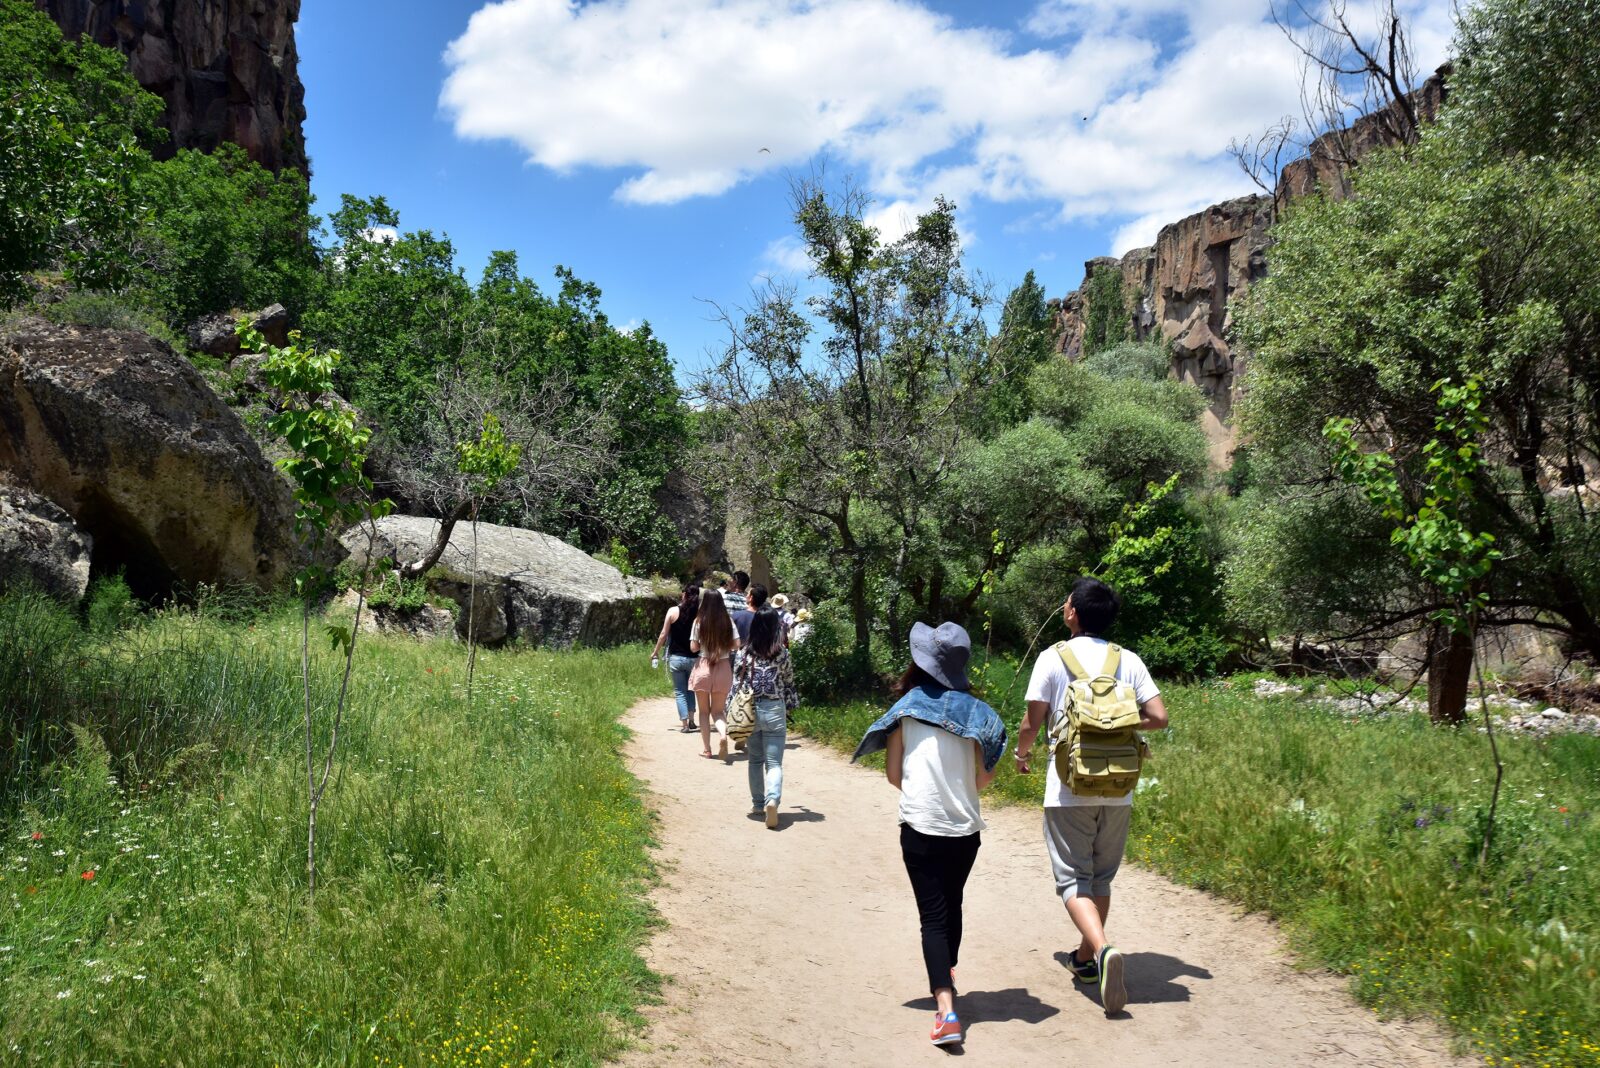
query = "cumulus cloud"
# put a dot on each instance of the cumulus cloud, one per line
(1107, 109)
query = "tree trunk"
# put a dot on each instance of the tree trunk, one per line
(858, 604)
(1449, 675)
(447, 526)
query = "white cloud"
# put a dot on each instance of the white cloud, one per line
(1113, 109)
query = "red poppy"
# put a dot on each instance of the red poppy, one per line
(33, 889)
(88, 874)
(1563, 808)
(428, 670)
(37, 835)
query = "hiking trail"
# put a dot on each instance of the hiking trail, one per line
(800, 946)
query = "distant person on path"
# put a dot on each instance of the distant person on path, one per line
(741, 623)
(1085, 824)
(766, 671)
(733, 592)
(675, 630)
(781, 603)
(943, 745)
(714, 641)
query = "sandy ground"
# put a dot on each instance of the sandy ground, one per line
(799, 946)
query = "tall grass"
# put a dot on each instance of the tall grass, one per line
(481, 898)
(1362, 837)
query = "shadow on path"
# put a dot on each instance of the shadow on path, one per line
(994, 1006)
(1151, 978)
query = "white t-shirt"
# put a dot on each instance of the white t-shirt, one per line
(1049, 684)
(939, 781)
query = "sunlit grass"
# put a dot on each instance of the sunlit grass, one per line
(481, 871)
(1361, 836)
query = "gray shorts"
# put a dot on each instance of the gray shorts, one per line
(1086, 844)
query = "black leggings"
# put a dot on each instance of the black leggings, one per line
(938, 868)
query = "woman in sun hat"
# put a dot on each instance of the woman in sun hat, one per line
(943, 745)
(781, 603)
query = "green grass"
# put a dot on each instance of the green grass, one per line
(482, 872)
(1361, 837)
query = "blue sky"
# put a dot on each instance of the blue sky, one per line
(622, 137)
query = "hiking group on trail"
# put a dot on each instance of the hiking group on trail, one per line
(943, 746)
(734, 643)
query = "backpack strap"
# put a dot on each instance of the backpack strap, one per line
(1113, 660)
(1073, 666)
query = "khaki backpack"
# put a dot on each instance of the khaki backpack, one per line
(1094, 736)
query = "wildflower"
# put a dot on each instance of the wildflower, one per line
(88, 875)
(37, 835)
(33, 889)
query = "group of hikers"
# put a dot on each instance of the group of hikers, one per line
(943, 746)
(733, 643)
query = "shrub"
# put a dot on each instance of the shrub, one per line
(827, 664)
(112, 606)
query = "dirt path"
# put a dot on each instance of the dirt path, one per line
(800, 947)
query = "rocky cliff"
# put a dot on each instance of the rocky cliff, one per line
(1181, 289)
(227, 69)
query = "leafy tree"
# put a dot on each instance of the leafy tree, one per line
(225, 233)
(1106, 317)
(838, 422)
(328, 450)
(1026, 339)
(71, 123)
(1443, 264)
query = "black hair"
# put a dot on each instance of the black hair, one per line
(758, 595)
(741, 581)
(1096, 604)
(691, 596)
(766, 633)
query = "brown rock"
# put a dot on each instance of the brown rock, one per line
(227, 69)
(217, 335)
(126, 436)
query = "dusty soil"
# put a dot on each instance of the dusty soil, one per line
(799, 946)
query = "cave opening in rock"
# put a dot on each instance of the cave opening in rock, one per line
(120, 547)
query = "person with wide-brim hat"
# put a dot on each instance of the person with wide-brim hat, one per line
(942, 746)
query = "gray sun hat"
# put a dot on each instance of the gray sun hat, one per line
(943, 653)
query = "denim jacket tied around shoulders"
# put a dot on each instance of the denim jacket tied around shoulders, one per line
(956, 711)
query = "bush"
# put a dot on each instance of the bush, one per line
(827, 665)
(111, 605)
(106, 311)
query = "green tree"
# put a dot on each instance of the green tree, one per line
(71, 124)
(1106, 321)
(1444, 263)
(835, 424)
(225, 233)
(328, 451)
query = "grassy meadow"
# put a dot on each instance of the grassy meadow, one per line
(1362, 837)
(481, 877)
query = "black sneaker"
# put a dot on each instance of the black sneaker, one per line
(1086, 972)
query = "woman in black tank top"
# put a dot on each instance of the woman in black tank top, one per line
(680, 660)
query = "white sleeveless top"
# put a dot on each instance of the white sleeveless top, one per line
(939, 781)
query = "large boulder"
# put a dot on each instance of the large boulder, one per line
(527, 586)
(40, 545)
(124, 434)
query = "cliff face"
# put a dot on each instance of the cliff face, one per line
(227, 69)
(1181, 289)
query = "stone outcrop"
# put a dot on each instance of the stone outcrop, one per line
(227, 69)
(699, 521)
(1180, 291)
(217, 335)
(125, 435)
(529, 586)
(40, 545)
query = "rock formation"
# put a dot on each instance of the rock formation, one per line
(1180, 290)
(127, 438)
(217, 335)
(40, 545)
(529, 586)
(227, 69)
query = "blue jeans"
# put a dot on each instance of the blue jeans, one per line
(679, 667)
(766, 751)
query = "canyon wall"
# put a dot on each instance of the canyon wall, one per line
(1180, 291)
(227, 69)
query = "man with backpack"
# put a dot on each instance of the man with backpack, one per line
(1096, 699)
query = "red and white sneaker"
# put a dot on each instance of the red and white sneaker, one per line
(946, 1030)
